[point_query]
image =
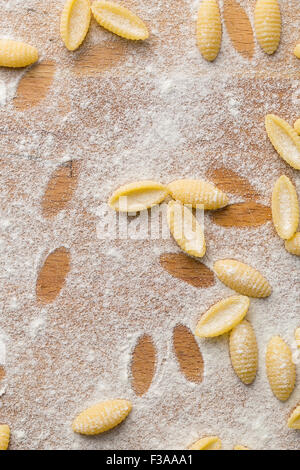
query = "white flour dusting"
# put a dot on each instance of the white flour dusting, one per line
(151, 111)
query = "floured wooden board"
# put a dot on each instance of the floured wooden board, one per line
(84, 318)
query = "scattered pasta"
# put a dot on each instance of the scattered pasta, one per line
(267, 22)
(285, 208)
(239, 447)
(243, 351)
(17, 53)
(198, 193)
(207, 443)
(297, 51)
(4, 436)
(209, 29)
(294, 419)
(185, 229)
(101, 417)
(75, 22)
(281, 370)
(293, 244)
(137, 196)
(242, 278)
(297, 336)
(119, 20)
(223, 316)
(297, 126)
(285, 139)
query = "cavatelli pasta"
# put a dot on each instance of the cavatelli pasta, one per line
(281, 370)
(197, 193)
(209, 29)
(75, 22)
(223, 316)
(285, 139)
(243, 351)
(285, 208)
(294, 419)
(267, 22)
(293, 244)
(101, 417)
(297, 122)
(4, 436)
(119, 20)
(242, 278)
(207, 443)
(17, 53)
(137, 196)
(185, 229)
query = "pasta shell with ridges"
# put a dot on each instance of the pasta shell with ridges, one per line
(4, 436)
(198, 193)
(284, 138)
(17, 53)
(139, 195)
(243, 351)
(207, 443)
(294, 419)
(281, 370)
(242, 278)
(293, 244)
(267, 20)
(209, 29)
(74, 23)
(285, 208)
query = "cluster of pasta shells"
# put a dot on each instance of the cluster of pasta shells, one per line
(76, 18)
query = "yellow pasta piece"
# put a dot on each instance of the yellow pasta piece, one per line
(285, 208)
(297, 51)
(223, 316)
(209, 29)
(207, 443)
(101, 417)
(285, 139)
(74, 23)
(239, 447)
(243, 351)
(137, 196)
(297, 336)
(17, 53)
(297, 123)
(119, 20)
(294, 419)
(281, 370)
(293, 244)
(185, 229)
(198, 193)
(4, 436)
(267, 22)
(242, 278)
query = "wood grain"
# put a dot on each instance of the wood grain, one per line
(2, 373)
(187, 269)
(188, 354)
(231, 182)
(52, 275)
(35, 85)
(239, 28)
(60, 188)
(245, 214)
(143, 365)
(100, 58)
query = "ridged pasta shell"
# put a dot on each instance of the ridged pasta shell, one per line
(293, 244)
(223, 316)
(198, 193)
(207, 443)
(119, 20)
(297, 122)
(101, 417)
(285, 208)
(267, 20)
(297, 336)
(4, 436)
(281, 370)
(17, 53)
(209, 29)
(137, 196)
(74, 22)
(239, 447)
(185, 229)
(243, 351)
(242, 278)
(285, 139)
(294, 419)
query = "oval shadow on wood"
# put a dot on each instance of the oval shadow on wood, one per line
(2, 373)
(99, 58)
(187, 269)
(143, 364)
(188, 354)
(35, 85)
(60, 188)
(52, 275)
(245, 214)
(231, 182)
(239, 28)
